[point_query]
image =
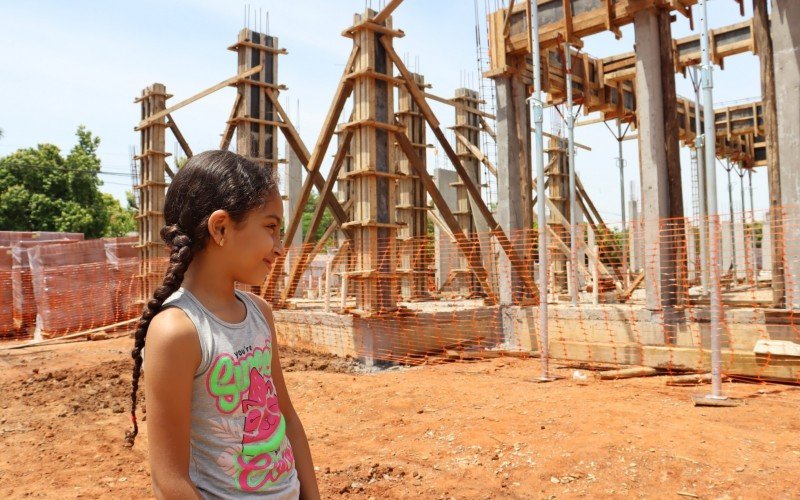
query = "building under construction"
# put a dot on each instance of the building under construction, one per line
(419, 264)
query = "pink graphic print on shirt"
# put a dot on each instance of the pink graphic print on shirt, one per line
(263, 456)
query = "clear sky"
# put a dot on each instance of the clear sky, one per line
(63, 64)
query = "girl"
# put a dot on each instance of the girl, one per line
(219, 419)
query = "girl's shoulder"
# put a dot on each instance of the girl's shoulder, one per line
(172, 333)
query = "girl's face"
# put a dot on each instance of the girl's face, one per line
(252, 248)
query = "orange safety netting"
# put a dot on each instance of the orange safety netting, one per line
(643, 294)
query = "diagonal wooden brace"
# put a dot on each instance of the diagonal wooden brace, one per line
(468, 246)
(517, 262)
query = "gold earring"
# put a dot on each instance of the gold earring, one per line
(222, 241)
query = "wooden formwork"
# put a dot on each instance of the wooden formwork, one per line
(412, 203)
(606, 85)
(373, 278)
(152, 187)
(467, 130)
(572, 20)
(254, 117)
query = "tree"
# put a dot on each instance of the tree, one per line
(41, 190)
(308, 214)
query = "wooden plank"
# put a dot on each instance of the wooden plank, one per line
(341, 95)
(468, 246)
(299, 147)
(633, 286)
(507, 22)
(387, 11)
(632, 372)
(474, 191)
(477, 153)
(230, 127)
(300, 263)
(161, 114)
(177, 132)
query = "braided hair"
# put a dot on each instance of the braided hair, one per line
(210, 181)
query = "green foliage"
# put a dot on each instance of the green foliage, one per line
(180, 161)
(41, 190)
(308, 214)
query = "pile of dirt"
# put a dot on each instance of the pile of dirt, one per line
(104, 386)
(301, 360)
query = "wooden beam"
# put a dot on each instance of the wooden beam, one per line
(507, 22)
(177, 132)
(387, 11)
(477, 153)
(343, 91)
(230, 126)
(634, 284)
(186, 102)
(488, 129)
(474, 191)
(470, 247)
(299, 264)
(297, 145)
(565, 222)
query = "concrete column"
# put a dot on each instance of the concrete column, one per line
(412, 200)
(374, 169)
(514, 178)
(693, 258)
(467, 125)
(741, 247)
(785, 30)
(656, 155)
(256, 137)
(635, 237)
(728, 247)
(445, 249)
(292, 185)
(766, 247)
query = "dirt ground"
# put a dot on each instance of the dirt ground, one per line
(460, 430)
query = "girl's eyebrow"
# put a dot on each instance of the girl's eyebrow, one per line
(277, 218)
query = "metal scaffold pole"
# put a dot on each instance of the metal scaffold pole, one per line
(538, 121)
(709, 142)
(701, 181)
(573, 228)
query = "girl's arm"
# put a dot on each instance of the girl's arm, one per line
(309, 490)
(172, 357)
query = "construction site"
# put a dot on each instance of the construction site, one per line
(478, 303)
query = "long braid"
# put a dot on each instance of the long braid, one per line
(211, 180)
(181, 255)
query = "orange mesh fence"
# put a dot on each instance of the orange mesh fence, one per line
(643, 294)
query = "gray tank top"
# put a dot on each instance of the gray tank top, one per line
(239, 447)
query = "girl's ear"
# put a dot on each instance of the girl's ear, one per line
(218, 222)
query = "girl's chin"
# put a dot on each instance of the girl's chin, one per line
(256, 278)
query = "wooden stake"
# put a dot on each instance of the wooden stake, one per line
(176, 131)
